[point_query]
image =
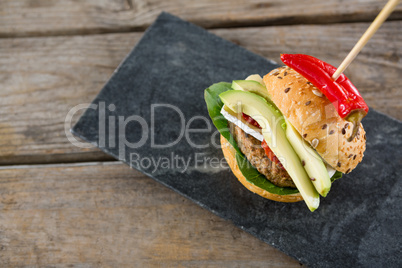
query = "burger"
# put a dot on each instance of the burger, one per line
(282, 137)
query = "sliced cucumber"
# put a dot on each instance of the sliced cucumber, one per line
(251, 86)
(312, 162)
(255, 77)
(271, 121)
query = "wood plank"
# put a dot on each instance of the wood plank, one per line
(70, 17)
(375, 72)
(43, 78)
(106, 214)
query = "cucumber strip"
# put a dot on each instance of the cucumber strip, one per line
(311, 161)
(255, 77)
(271, 121)
(251, 86)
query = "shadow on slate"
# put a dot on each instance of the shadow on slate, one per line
(164, 77)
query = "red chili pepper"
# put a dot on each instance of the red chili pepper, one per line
(250, 120)
(270, 154)
(342, 93)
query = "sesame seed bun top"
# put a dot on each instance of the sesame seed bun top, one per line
(316, 119)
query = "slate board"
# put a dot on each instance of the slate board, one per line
(358, 224)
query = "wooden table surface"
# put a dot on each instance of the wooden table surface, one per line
(66, 206)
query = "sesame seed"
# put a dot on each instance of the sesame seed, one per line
(343, 131)
(324, 126)
(287, 90)
(350, 155)
(304, 135)
(346, 125)
(339, 164)
(285, 74)
(303, 163)
(331, 132)
(314, 143)
(354, 157)
(276, 73)
(347, 171)
(308, 103)
(312, 179)
(309, 83)
(317, 93)
(279, 77)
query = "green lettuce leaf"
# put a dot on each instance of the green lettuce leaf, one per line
(337, 175)
(214, 105)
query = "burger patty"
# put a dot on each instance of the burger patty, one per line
(251, 148)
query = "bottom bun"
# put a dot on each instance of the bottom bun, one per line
(230, 155)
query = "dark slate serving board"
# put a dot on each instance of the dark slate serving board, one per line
(358, 224)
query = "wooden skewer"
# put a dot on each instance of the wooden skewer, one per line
(379, 20)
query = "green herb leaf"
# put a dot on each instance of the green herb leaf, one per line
(214, 105)
(337, 175)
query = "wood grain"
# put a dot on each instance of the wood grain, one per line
(43, 78)
(103, 214)
(107, 215)
(70, 17)
(375, 72)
